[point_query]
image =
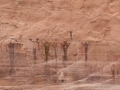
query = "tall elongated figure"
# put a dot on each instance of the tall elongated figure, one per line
(86, 50)
(71, 34)
(47, 48)
(34, 49)
(54, 45)
(65, 46)
(113, 70)
(11, 55)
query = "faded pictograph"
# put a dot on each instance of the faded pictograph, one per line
(50, 59)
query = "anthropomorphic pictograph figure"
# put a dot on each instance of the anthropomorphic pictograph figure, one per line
(113, 70)
(70, 32)
(47, 48)
(34, 49)
(54, 45)
(11, 54)
(34, 53)
(65, 46)
(86, 50)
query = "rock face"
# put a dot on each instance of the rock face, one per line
(95, 22)
(92, 20)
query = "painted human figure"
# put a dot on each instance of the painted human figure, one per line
(113, 70)
(47, 48)
(46, 45)
(70, 32)
(34, 49)
(34, 53)
(54, 45)
(86, 50)
(11, 54)
(65, 46)
(55, 49)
